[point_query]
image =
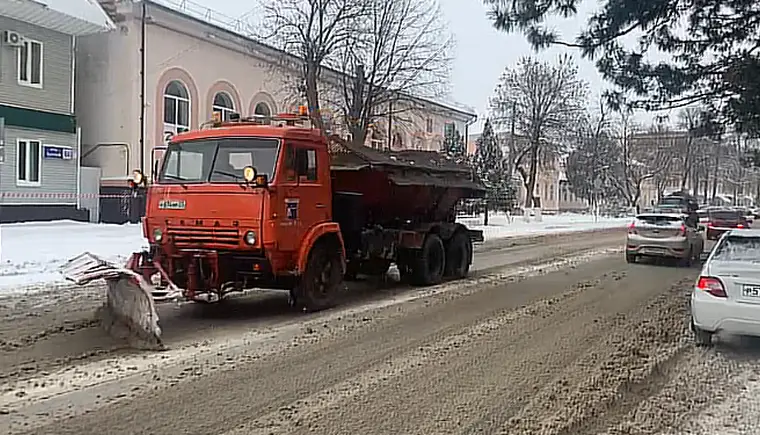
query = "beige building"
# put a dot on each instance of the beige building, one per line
(193, 68)
(551, 189)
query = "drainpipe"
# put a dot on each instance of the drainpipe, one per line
(143, 13)
(467, 125)
(78, 159)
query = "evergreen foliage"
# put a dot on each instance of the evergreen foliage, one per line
(492, 169)
(713, 48)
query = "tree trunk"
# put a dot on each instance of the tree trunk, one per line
(356, 123)
(312, 95)
(531, 175)
(716, 167)
(686, 170)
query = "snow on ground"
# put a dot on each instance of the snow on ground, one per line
(499, 225)
(32, 253)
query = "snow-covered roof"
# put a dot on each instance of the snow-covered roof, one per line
(72, 17)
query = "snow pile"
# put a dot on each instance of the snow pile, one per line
(499, 225)
(31, 253)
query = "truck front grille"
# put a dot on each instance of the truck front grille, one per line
(199, 237)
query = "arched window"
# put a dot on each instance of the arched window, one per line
(223, 104)
(262, 109)
(176, 108)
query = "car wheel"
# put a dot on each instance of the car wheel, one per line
(687, 261)
(697, 257)
(630, 258)
(701, 337)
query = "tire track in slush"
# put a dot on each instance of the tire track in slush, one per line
(293, 415)
(643, 352)
(486, 382)
(47, 337)
(275, 380)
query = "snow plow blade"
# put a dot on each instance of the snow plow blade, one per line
(129, 312)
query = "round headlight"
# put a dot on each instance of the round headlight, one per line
(158, 235)
(250, 238)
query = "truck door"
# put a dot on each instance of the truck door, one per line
(304, 203)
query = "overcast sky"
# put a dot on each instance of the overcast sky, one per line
(482, 53)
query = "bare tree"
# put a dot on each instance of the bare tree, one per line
(400, 50)
(642, 158)
(315, 31)
(592, 162)
(686, 149)
(543, 101)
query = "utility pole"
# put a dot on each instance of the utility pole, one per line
(143, 20)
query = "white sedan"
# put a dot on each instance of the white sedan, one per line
(726, 296)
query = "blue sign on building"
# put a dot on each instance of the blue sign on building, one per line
(57, 152)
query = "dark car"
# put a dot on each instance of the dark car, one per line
(720, 221)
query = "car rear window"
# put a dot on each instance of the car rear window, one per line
(726, 215)
(734, 248)
(657, 219)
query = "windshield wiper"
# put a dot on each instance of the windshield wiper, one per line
(175, 177)
(229, 174)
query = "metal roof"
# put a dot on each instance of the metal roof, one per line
(71, 17)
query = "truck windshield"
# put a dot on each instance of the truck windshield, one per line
(217, 160)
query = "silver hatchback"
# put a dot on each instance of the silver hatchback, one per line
(664, 235)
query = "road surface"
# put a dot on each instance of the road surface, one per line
(557, 335)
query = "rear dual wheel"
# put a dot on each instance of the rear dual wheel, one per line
(429, 266)
(436, 260)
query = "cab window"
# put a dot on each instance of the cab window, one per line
(301, 164)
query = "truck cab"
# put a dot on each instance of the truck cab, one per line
(239, 204)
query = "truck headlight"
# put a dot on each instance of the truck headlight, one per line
(158, 235)
(250, 238)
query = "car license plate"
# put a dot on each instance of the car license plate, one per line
(751, 291)
(653, 250)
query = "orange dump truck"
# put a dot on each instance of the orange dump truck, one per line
(270, 203)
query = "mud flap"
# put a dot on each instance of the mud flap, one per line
(129, 312)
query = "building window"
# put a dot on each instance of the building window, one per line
(30, 63)
(449, 129)
(176, 108)
(429, 125)
(551, 192)
(223, 105)
(262, 109)
(28, 162)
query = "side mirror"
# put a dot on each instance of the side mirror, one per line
(155, 170)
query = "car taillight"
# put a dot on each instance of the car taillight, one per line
(632, 228)
(712, 286)
(710, 224)
(739, 226)
(683, 230)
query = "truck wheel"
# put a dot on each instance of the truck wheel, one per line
(430, 265)
(321, 280)
(458, 256)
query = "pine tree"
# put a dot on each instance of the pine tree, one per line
(491, 167)
(453, 144)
